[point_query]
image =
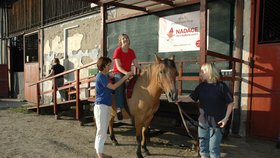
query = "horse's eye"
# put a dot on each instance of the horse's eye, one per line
(161, 71)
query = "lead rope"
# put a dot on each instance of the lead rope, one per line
(184, 122)
(192, 121)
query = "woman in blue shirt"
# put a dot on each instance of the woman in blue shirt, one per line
(103, 101)
(216, 105)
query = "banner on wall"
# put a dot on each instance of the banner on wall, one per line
(180, 32)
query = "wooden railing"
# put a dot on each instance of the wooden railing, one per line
(74, 88)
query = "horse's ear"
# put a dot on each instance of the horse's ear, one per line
(158, 59)
(172, 57)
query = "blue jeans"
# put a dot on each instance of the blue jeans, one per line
(209, 141)
(120, 91)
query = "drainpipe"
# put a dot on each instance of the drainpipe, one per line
(1, 34)
(42, 47)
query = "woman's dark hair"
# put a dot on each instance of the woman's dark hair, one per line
(56, 60)
(102, 62)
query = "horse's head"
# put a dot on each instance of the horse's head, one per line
(166, 77)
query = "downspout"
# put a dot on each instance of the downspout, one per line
(42, 46)
(251, 64)
(1, 35)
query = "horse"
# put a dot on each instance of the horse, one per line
(151, 83)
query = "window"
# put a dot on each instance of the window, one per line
(31, 48)
(269, 22)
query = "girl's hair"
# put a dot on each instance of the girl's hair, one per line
(213, 72)
(120, 39)
(102, 62)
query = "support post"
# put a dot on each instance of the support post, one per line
(103, 43)
(203, 32)
(77, 94)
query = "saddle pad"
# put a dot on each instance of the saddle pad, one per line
(130, 86)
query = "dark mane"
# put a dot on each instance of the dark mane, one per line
(169, 63)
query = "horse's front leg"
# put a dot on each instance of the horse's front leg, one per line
(111, 131)
(138, 128)
(144, 141)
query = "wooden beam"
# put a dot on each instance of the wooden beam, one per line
(128, 6)
(107, 1)
(167, 2)
(117, 4)
(93, 1)
(203, 32)
(103, 40)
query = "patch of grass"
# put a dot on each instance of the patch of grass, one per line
(21, 109)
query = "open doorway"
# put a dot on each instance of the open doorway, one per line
(17, 67)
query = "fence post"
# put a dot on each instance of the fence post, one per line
(54, 97)
(38, 97)
(77, 94)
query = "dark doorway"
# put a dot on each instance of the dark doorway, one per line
(16, 66)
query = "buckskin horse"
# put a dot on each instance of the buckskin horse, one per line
(155, 79)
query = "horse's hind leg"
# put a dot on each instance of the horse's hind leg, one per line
(111, 132)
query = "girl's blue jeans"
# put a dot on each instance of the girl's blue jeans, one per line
(119, 92)
(209, 141)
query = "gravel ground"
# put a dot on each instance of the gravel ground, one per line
(28, 135)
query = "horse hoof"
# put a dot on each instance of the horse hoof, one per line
(139, 156)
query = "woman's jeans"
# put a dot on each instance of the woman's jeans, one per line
(59, 83)
(120, 91)
(209, 141)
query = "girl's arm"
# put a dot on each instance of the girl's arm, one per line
(51, 74)
(186, 99)
(223, 122)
